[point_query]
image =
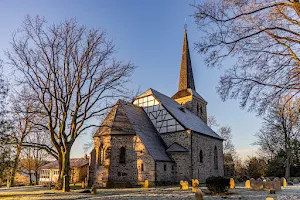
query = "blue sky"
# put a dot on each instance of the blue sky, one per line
(150, 34)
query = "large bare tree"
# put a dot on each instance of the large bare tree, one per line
(262, 40)
(74, 75)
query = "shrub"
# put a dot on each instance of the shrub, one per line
(217, 184)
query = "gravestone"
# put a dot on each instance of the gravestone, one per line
(198, 194)
(256, 184)
(82, 184)
(296, 181)
(232, 185)
(184, 185)
(195, 184)
(247, 184)
(283, 182)
(146, 184)
(93, 190)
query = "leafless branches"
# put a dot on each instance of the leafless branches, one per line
(263, 39)
(74, 76)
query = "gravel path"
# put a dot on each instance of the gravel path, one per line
(35, 193)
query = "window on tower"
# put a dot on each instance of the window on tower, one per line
(122, 155)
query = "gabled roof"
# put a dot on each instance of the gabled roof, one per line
(185, 117)
(116, 122)
(175, 147)
(74, 163)
(187, 92)
(126, 118)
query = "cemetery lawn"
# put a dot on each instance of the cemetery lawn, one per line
(173, 192)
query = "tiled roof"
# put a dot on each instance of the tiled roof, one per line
(185, 117)
(74, 163)
(175, 147)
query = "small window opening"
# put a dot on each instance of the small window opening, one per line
(142, 167)
(201, 156)
(165, 167)
(122, 155)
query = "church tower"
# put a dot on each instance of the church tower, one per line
(187, 95)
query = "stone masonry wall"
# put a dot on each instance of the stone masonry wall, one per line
(138, 167)
(182, 159)
(206, 169)
(165, 172)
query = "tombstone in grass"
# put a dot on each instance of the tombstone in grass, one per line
(231, 183)
(296, 181)
(94, 189)
(198, 194)
(283, 182)
(247, 184)
(276, 185)
(256, 184)
(184, 185)
(195, 184)
(145, 184)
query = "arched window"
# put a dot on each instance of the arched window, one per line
(201, 110)
(99, 156)
(122, 155)
(216, 158)
(201, 156)
(197, 108)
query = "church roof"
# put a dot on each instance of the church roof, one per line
(185, 117)
(175, 147)
(74, 163)
(187, 92)
(126, 118)
(186, 79)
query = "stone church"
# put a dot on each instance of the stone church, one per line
(157, 138)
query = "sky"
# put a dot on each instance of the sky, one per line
(149, 34)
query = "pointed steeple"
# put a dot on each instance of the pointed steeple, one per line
(186, 79)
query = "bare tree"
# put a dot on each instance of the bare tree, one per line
(280, 129)
(262, 38)
(74, 75)
(23, 116)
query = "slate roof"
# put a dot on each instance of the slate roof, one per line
(175, 147)
(185, 117)
(74, 163)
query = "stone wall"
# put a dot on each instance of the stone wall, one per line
(182, 159)
(165, 172)
(202, 171)
(138, 167)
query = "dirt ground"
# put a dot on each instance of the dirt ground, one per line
(174, 193)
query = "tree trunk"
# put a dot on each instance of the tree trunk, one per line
(288, 164)
(64, 177)
(30, 178)
(36, 177)
(14, 168)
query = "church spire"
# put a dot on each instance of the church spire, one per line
(186, 79)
